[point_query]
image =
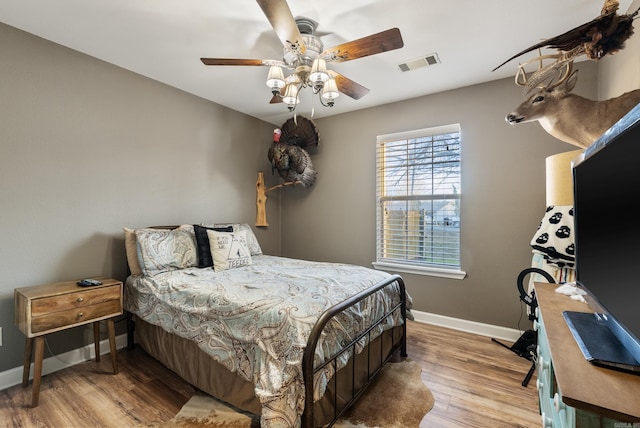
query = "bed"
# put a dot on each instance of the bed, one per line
(294, 341)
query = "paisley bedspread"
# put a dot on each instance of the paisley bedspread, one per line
(255, 320)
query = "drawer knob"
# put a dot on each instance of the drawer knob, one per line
(80, 299)
(80, 314)
(544, 364)
(557, 402)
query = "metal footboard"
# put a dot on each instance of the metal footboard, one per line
(308, 369)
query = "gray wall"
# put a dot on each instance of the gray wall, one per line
(87, 148)
(503, 195)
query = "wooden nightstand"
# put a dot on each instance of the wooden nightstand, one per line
(44, 309)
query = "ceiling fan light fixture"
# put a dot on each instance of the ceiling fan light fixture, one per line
(291, 96)
(304, 58)
(275, 79)
(330, 92)
(319, 73)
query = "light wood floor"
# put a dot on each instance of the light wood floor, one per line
(475, 382)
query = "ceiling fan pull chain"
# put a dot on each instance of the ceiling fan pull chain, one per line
(313, 106)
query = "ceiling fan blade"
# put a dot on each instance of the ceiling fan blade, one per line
(236, 61)
(374, 44)
(348, 86)
(282, 21)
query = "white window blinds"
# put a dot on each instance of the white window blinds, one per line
(418, 197)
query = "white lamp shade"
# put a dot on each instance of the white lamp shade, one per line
(319, 71)
(559, 174)
(275, 79)
(330, 90)
(291, 94)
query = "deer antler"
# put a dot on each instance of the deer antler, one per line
(549, 76)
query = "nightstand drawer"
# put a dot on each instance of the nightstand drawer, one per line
(75, 316)
(80, 299)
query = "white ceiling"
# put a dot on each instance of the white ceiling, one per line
(165, 39)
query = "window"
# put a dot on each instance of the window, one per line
(418, 201)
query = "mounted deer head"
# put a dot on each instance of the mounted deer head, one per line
(569, 117)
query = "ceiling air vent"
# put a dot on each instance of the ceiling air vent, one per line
(431, 59)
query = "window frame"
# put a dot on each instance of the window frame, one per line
(410, 266)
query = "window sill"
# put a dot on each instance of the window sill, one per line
(420, 270)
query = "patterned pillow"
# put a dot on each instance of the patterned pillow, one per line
(252, 241)
(202, 242)
(164, 250)
(229, 250)
(131, 248)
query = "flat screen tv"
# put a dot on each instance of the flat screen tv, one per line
(607, 246)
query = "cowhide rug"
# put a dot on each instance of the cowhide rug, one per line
(396, 399)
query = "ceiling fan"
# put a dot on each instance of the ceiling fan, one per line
(305, 57)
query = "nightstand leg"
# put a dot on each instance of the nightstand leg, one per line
(96, 339)
(112, 345)
(37, 371)
(28, 353)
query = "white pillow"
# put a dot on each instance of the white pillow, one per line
(252, 241)
(228, 249)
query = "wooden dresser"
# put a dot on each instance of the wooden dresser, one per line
(44, 309)
(572, 391)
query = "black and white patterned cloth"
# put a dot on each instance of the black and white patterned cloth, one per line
(554, 237)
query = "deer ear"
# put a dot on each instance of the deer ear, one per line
(570, 83)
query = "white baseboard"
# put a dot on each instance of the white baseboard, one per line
(474, 327)
(13, 376)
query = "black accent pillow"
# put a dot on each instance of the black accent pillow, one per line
(202, 243)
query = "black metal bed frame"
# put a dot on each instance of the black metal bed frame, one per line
(308, 369)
